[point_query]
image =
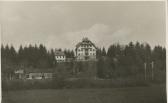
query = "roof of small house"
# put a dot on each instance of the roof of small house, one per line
(85, 41)
(35, 70)
(59, 53)
(19, 71)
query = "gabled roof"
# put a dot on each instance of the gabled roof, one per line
(59, 53)
(84, 42)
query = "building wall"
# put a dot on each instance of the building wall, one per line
(39, 75)
(81, 50)
(60, 58)
(34, 76)
(48, 75)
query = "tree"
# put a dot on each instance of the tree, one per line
(100, 72)
(72, 54)
(98, 52)
(103, 52)
(13, 55)
(51, 58)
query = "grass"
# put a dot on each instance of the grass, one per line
(152, 94)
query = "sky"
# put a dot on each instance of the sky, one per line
(59, 24)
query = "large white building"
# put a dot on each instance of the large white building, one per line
(60, 56)
(85, 50)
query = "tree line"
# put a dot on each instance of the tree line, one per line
(117, 61)
(130, 60)
(29, 56)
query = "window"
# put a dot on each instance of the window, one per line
(27, 76)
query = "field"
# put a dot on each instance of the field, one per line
(152, 94)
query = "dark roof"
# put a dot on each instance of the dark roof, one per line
(85, 41)
(59, 53)
(35, 70)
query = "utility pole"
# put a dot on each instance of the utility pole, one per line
(145, 69)
(152, 65)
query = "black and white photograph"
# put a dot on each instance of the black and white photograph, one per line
(83, 51)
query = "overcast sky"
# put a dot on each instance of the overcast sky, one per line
(63, 24)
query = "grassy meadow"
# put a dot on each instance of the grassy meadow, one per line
(149, 94)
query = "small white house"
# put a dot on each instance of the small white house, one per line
(60, 56)
(19, 74)
(39, 74)
(34, 76)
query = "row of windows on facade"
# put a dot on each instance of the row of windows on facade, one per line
(86, 45)
(89, 49)
(61, 60)
(60, 56)
(90, 54)
(38, 75)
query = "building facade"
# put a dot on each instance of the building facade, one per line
(39, 75)
(85, 50)
(60, 56)
(32, 73)
(19, 74)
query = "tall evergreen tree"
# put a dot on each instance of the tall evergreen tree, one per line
(103, 52)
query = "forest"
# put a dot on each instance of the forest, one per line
(134, 60)
(117, 61)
